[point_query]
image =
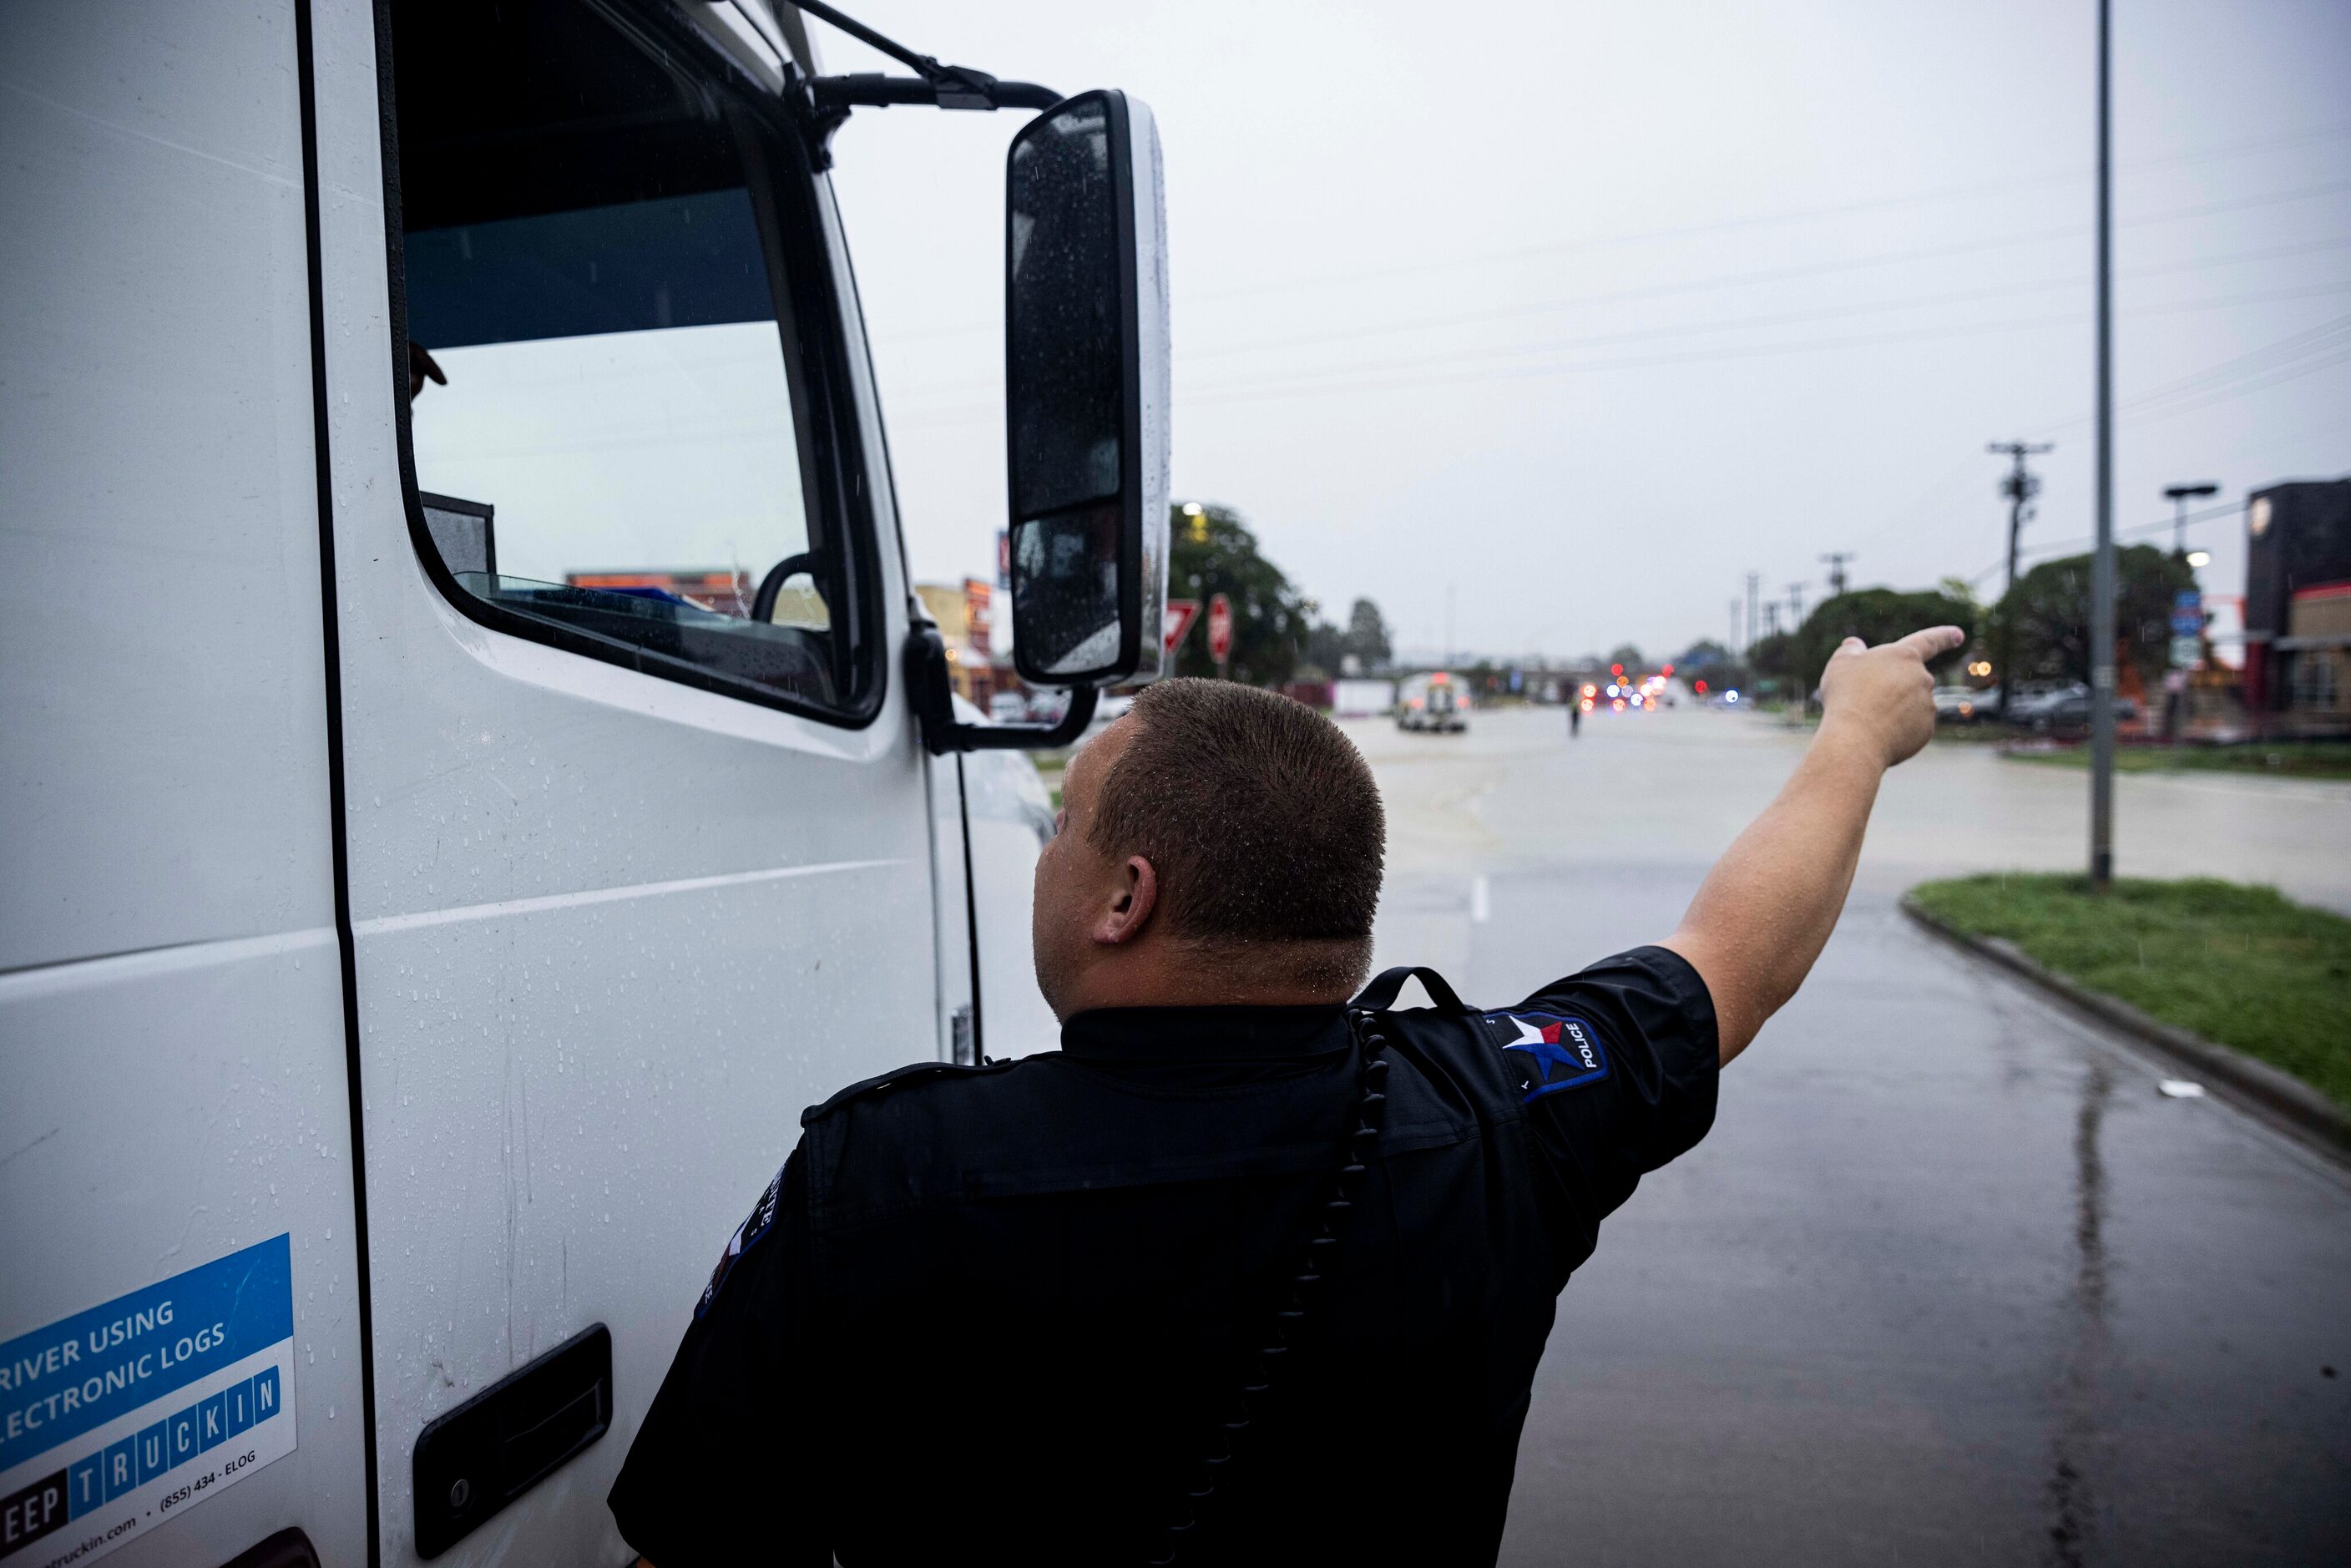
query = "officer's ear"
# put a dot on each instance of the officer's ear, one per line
(1136, 896)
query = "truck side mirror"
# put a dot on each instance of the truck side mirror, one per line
(1086, 393)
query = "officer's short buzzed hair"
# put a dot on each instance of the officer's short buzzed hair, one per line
(1262, 821)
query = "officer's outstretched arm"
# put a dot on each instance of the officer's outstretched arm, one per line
(1763, 914)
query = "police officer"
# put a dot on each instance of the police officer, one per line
(1241, 1274)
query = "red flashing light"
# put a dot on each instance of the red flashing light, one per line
(1615, 669)
(1701, 688)
(1669, 669)
(1440, 679)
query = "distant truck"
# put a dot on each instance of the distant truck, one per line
(1432, 702)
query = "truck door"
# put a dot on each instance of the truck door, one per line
(640, 840)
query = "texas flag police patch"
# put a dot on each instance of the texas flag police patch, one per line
(1555, 1052)
(757, 1223)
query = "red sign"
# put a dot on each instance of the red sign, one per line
(1220, 628)
(1180, 613)
(978, 600)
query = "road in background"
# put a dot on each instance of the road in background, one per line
(1951, 1281)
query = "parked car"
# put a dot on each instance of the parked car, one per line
(1964, 705)
(2064, 711)
(1009, 707)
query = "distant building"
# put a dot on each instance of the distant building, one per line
(2298, 605)
(716, 588)
(964, 614)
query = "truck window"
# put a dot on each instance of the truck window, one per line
(616, 421)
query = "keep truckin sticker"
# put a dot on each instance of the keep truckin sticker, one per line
(113, 1419)
(1557, 1053)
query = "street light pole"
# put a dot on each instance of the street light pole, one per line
(2180, 496)
(2101, 568)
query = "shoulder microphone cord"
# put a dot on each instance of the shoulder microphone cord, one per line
(1315, 1259)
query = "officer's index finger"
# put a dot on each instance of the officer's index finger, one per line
(1932, 641)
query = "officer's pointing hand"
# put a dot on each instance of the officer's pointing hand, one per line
(1887, 691)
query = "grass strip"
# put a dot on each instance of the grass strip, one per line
(2242, 966)
(2277, 759)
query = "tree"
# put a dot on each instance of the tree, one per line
(1364, 640)
(1875, 615)
(1708, 661)
(1773, 659)
(1212, 551)
(1326, 652)
(1629, 656)
(1367, 636)
(1703, 652)
(2051, 607)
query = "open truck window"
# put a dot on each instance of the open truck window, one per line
(617, 344)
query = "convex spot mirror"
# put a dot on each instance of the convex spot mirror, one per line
(1086, 393)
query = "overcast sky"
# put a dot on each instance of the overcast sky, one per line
(1583, 311)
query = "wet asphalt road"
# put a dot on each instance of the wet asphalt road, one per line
(1951, 1281)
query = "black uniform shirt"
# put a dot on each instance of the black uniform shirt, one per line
(998, 1313)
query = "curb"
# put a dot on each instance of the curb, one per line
(2283, 1100)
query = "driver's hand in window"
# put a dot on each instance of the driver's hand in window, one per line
(422, 369)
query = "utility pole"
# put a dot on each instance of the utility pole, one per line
(1795, 604)
(2180, 496)
(2101, 564)
(1733, 644)
(1836, 560)
(1772, 618)
(1754, 579)
(2020, 486)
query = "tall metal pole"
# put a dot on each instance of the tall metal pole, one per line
(2102, 570)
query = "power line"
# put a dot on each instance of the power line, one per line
(972, 412)
(2283, 350)
(1728, 280)
(1793, 215)
(2325, 337)
(1732, 280)
(1348, 378)
(2139, 531)
(1807, 215)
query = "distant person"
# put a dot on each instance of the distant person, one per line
(1574, 714)
(1244, 1273)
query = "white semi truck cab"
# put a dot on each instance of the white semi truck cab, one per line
(472, 766)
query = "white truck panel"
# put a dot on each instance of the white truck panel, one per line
(162, 778)
(172, 1075)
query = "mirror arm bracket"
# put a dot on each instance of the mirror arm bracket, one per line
(953, 86)
(934, 84)
(931, 693)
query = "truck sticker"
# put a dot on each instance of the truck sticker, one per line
(114, 1418)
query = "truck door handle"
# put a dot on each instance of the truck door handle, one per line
(496, 1446)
